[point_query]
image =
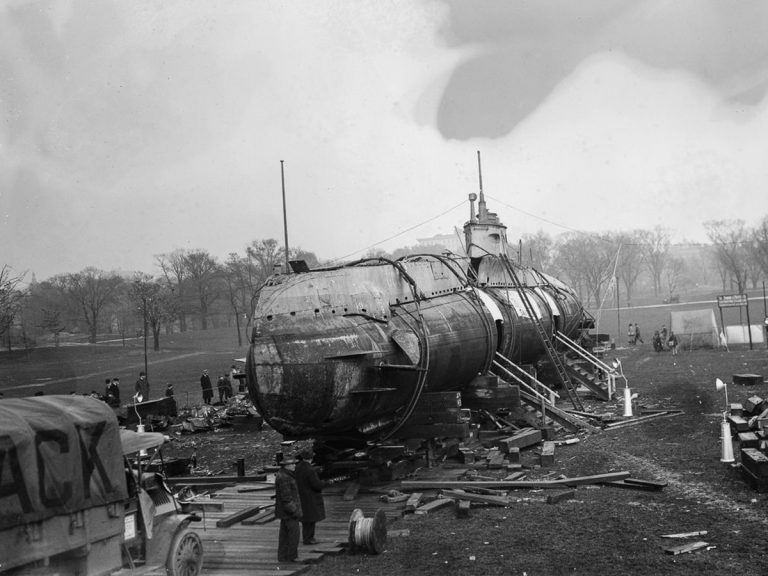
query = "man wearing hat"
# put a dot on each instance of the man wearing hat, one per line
(288, 510)
(311, 495)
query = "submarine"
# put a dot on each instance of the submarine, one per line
(346, 352)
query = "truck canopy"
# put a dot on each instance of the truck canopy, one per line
(58, 455)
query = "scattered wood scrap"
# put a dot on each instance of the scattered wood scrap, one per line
(638, 484)
(432, 506)
(413, 502)
(641, 419)
(238, 516)
(511, 484)
(477, 498)
(685, 534)
(685, 548)
(560, 496)
(263, 517)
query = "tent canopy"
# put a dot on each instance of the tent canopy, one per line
(695, 328)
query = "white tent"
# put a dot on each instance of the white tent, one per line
(695, 328)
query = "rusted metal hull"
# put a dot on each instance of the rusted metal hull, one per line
(347, 352)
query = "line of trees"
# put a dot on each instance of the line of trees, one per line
(646, 260)
(191, 290)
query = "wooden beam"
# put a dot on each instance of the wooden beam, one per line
(510, 484)
(238, 516)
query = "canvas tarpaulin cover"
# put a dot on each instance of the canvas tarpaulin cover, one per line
(58, 455)
(695, 328)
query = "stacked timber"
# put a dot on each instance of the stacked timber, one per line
(749, 424)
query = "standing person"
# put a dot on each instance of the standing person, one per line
(663, 334)
(169, 390)
(672, 342)
(113, 392)
(233, 372)
(227, 387)
(142, 386)
(311, 496)
(631, 334)
(205, 384)
(638, 338)
(288, 510)
(221, 387)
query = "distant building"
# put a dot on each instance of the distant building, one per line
(451, 242)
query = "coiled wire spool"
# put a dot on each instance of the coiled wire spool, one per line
(367, 534)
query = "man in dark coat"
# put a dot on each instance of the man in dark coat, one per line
(311, 495)
(142, 387)
(205, 384)
(288, 510)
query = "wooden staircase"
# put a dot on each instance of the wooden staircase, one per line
(588, 370)
(539, 398)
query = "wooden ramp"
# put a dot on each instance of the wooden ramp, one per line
(249, 547)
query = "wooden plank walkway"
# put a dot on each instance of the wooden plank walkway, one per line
(252, 549)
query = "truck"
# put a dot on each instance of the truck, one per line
(76, 496)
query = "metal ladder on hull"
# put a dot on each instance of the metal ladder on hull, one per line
(554, 357)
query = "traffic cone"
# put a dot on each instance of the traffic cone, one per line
(727, 442)
(627, 402)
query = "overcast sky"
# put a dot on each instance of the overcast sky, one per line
(133, 128)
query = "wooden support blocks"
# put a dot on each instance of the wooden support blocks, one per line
(560, 496)
(736, 409)
(514, 455)
(755, 461)
(548, 454)
(748, 440)
(738, 424)
(413, 502)
(522, 439)
(462, 508)
(753, 405)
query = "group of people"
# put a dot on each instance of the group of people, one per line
(112, 390)
(298, 500)
(663, 339)
(223, 385)
(633, 334)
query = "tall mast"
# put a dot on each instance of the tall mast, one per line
(285, 219)
(482, 211)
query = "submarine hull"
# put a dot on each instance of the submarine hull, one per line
(347, 352)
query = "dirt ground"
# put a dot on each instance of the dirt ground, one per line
(603, 530)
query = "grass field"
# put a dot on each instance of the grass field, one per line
(82, 368)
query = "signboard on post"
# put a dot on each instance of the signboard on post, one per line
(735, 301)
(732, 300)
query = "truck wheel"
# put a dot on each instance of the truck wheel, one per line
(185, 557)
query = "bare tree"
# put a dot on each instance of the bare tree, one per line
(11, 298)
(655, 249)
(91, 290)
(537, 250)
(673, 274)
(731, 241)
(630, 264)
(588, 261)
(759, 247)
(203, 273)
(237, 278)
(174, 270)
(156, 304)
